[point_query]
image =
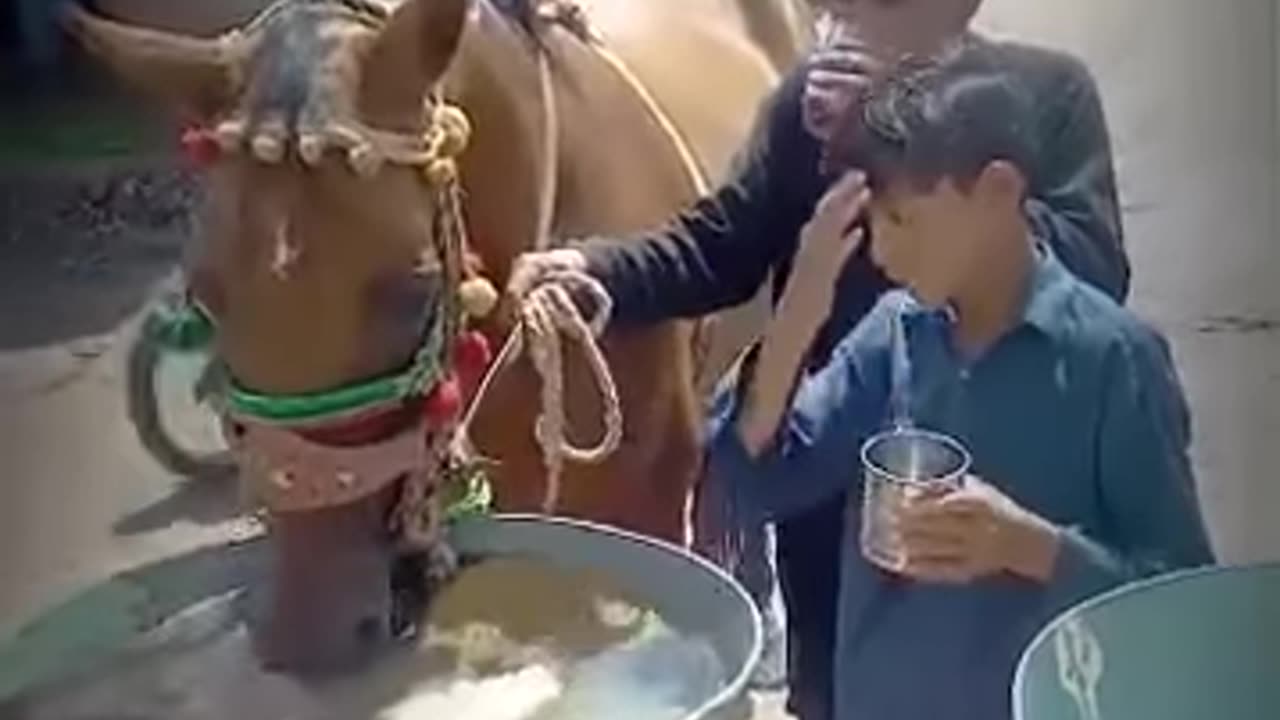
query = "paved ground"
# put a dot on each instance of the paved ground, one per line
(1191, 91)
(1192, 96)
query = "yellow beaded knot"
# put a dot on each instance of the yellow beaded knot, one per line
(440, 172)
(455, 131)
(447, 139)
(478, 297)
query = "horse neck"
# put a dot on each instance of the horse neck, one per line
(494, 78)
(599, 183)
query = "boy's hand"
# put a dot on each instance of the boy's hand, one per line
(826, 242)
(973, 533)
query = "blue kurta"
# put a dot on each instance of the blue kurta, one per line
(722, 249)
(1076, 414)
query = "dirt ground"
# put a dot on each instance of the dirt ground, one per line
(1190, 90)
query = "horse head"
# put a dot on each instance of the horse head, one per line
(332, 254)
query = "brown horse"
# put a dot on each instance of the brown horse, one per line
(319, 276)
(781, 28)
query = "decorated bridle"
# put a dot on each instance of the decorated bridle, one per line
(448, 348)
(468, 295)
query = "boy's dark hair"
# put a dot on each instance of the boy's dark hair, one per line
(948, 117)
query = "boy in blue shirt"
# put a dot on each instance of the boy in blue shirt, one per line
(1068, 403)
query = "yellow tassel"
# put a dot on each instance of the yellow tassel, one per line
(478, 297)
(455, 130)
(440, 173)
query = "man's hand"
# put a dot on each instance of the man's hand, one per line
(840, 75)
(973, 533)
(533, 269)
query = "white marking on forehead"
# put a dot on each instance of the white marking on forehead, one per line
(285, 253)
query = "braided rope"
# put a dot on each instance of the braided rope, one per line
(547, 313)
(418, 517)
(420, 513)
(572, 16)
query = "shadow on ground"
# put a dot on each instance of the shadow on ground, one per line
(211, 500)
(93, 210)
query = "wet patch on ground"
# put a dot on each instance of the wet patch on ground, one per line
(1239, 324)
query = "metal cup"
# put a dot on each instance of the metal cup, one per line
(899, 466)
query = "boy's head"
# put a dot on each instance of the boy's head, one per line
(946, 150)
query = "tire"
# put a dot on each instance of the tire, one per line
(145, 414)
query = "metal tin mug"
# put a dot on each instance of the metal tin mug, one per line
(900, 465)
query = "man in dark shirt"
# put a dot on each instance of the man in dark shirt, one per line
(719, 252)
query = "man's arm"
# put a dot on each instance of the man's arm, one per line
(1073, 204)
(1152, 520)
(718, 253)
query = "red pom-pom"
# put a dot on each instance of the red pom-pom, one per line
(200, 147)
(472, 353)
(444, 403)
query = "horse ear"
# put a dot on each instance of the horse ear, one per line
(196, 74)
(409, 56)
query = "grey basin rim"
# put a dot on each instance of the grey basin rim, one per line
(1120, 594)
(233, 557)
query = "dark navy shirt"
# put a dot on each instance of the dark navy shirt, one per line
(724, 248)
(1076, 414)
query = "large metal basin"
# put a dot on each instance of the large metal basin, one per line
(692, 596)
(1199, 645)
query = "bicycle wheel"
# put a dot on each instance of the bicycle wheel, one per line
(168, 399)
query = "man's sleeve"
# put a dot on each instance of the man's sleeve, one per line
(717, 253)
(815, 452)
(1151, 517)
(1073, 201)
